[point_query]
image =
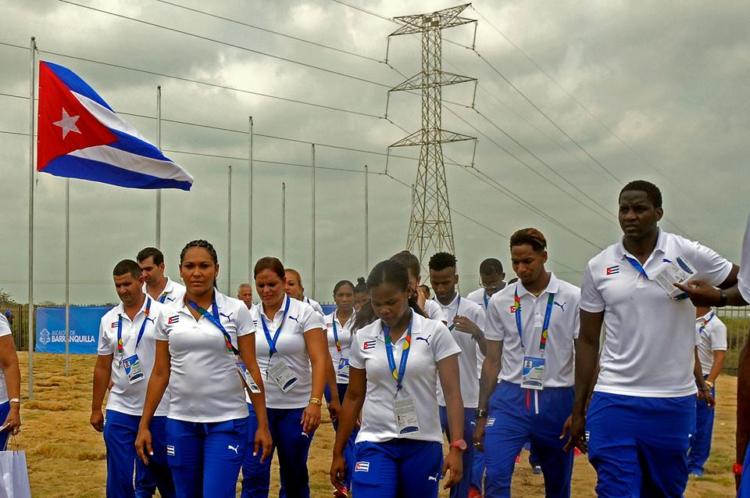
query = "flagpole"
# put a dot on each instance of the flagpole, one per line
(367, 221)
(283, 222)
(312, 292)
(250, 206)
(32, 171)
(158, 145)
(229, 231)
(67, 276)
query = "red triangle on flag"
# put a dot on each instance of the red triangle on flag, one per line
(65, 125)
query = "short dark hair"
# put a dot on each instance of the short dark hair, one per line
(204, 244)
(150, 252)
(269, 263)
(361, 286)
(127, 266)
(530, 236)
(389, 271)
(652, 191)
(340, 284)
(441, 261)
(408, 261)
(491, 266)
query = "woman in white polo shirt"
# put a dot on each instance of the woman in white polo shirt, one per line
(394, 367)
(10, 384)
(197, 340)
(292, 357)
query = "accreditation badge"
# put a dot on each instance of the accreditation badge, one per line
(407, 421)
(282, 375)
(343, 369)
(532, 374)
(242, 369)
(133, 369)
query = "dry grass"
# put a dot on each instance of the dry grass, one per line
(66, 456)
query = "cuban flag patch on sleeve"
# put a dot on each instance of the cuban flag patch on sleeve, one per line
(369, 344)
(362, 467)
(114, 325)
(173, 319)
(613, 270)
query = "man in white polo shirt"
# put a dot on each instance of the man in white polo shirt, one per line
(642, 411)
(245, 294)
(531, 330)
(492, 277)
(126, 353)
(711, 344)
(156, 284)
(466, 324)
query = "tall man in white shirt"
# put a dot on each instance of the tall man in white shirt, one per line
(466, 324)
(531, 331)
(642, 411)
(156, 284)
(126, 354)
(711, 344)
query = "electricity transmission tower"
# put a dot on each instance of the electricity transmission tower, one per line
(430, 227)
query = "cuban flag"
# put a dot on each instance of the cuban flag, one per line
(81, 136)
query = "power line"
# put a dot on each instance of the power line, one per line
(369, 12)
(200, 82)
(233, 45)
(278, 33)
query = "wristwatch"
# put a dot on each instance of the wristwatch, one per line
(459, 444)
(709, 384)
(481, 413)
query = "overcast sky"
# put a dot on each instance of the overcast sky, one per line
(652, 90)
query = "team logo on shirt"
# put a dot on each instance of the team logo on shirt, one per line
(562, 306)
(362, 467)
(425, 339)
(114, 325)
(228, 317)
(170, 450)
(173, 319)
(612, 270)
(369, 345)
(293, 318)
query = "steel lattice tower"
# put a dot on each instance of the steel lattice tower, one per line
(430, 226)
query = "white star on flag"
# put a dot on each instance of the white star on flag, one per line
(67, 123)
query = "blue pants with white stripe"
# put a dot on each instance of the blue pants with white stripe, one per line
(461, 490)
(638, 445)
(349, 449)
(205, 458)
(120, 430)
(700, 443)
(4, 411)
(399, 468)
(293, 447)
(518, 415)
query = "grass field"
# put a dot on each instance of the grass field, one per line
(66, 456)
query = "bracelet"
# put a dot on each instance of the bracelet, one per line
(709, 384)
(316, 401)
(481, 413)
(737, 469)
(15, 400)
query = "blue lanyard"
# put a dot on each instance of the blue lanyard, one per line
(458, 307)
(120, 347)
(545, 325)
(399, 374)
(272, 340)
(486, 300)
(163, 297)
(336, 334)
(702, 328)
(214, 318)
(637, 265)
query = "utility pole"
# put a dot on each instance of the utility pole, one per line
(430, 226)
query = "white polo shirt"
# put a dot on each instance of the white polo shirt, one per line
(125, 397)
(173, 292)
(4, 330)
(710, 336)
(315, 305)
(340, 357)
(559, 353)
(204, 384)
(467, 361)
(648, 336)
(744, 276)
(480, 297)
(431, 342)
(434, 311)
(290, 348)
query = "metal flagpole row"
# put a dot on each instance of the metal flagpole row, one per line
(312, 291)
(367, 223)
(158, 145)
(250, 207)
(32, 173)
(283, 221)
(229, 231)
(67, 276)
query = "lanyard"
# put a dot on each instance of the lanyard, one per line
(399, 374)
(120, 347)
(458, 307)
(272, 340)
(336, 334)
(545, 325)
(702, 328)
(163, 297)
(214, 318)
(637, 265)
(486, 300)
